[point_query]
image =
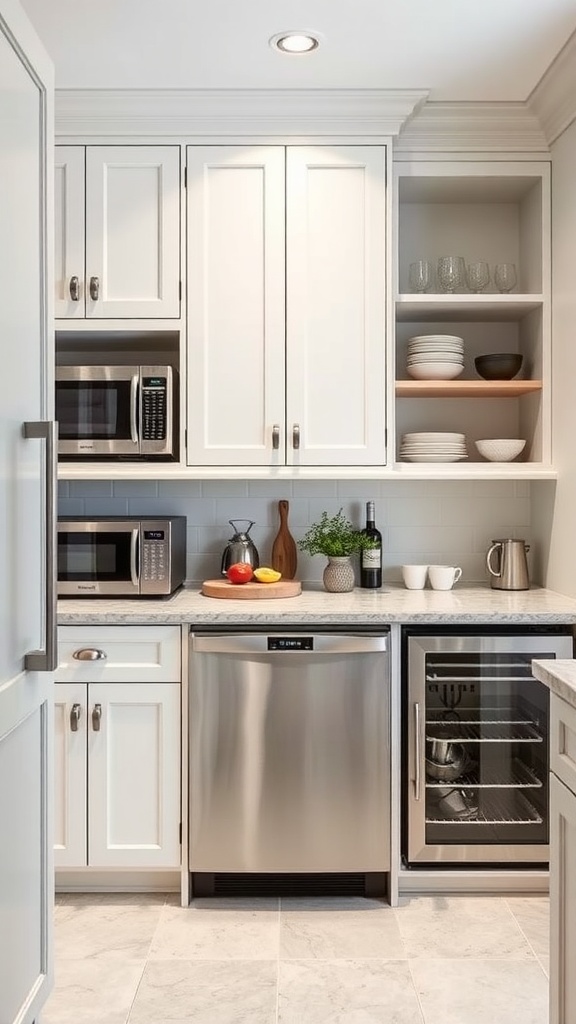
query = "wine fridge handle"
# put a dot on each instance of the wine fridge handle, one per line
(417, 754)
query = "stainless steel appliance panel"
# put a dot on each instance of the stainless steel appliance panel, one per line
(289, 753)
(472, 699)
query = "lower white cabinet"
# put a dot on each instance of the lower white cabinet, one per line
(117, 775)
(562, 861)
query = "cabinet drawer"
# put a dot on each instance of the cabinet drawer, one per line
(132, 654)
(563, 741)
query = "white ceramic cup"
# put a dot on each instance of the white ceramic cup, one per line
(414, 576)
(443, 577)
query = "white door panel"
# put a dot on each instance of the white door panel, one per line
(70, 776)
(26, 137)
(69, 226)
(335, 348)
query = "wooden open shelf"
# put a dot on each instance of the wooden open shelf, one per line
(466, 388)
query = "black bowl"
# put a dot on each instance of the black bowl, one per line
(498, 365)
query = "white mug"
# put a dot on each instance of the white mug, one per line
(414, 576)
(443, 577)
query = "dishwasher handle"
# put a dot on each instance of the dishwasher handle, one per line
(271, 643)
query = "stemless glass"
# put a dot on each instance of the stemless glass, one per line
(477, 276)
(505, 276)
(450, 273)
(420, 276)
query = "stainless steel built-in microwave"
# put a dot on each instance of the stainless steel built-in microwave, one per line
(109, 411)
(120, 557)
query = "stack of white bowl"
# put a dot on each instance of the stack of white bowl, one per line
(435, 356)
(433, 446)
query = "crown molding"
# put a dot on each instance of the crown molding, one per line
(553, 100)
(471, 127)
(217, 112)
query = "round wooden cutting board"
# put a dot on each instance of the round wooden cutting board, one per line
(251, 591)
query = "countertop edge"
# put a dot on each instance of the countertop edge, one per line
(559, 676)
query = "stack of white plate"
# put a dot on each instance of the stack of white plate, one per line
(429, 446)
(435, 356)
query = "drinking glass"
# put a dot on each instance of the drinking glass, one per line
(421, 276)
(451, 273)
(505, 276)
(477, 276)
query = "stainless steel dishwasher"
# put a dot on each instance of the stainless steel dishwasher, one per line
(289, 754)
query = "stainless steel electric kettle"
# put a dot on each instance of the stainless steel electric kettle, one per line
(240, 547)
(511, 572)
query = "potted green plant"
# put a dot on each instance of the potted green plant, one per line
(336, 538)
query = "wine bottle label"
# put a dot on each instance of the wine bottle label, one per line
(372, 558)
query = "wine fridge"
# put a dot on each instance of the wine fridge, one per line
(475, 745)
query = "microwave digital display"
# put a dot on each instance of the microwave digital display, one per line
(154, 534)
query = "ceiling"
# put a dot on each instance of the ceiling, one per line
(477, 50)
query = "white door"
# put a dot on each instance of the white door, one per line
(134, 775)
(132, 231)
(236, 327)
(70, 775)
(335, 305)
(26, 538)
(69, 231)
(562, 903)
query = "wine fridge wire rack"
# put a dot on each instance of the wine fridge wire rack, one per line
(517, 776)
(490, 725)
(508, 807)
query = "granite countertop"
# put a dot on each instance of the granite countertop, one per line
(478, 604)
(559, 675)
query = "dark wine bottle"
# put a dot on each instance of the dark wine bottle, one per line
(371, 558)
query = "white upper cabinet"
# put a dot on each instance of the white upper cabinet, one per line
(286, 301)
(117, 232)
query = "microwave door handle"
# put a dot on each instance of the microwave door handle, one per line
(134, 408)
(134, 575)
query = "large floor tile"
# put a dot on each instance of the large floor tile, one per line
(461, 926)
(533, 916)
(93, 991)
(111, 925)
(206, 992)
(347, 992)
(481, 991)
(218, 929)
(330, 929)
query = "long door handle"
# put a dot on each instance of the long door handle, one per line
(417, 754)
(47, 660)
(96, 717)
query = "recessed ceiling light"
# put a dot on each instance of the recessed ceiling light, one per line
(295, 42)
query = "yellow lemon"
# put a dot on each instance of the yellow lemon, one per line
(265, 575)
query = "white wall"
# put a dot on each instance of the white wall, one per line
(554, 509)
(441, 522)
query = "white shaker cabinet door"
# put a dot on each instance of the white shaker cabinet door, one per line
(134, 775)
(132, 231)
(70, 776)
(236, 328)
(69, 228)
(335, 280)
(562, 903)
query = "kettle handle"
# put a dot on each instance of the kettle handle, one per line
(488, 557)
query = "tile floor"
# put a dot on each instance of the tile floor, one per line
(143, 959)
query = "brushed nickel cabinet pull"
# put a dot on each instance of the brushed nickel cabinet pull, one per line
(75, 289)
(89, 654)
(96, 717)
(75, 713)
(95, 288)
(275, 437)
(296, 435)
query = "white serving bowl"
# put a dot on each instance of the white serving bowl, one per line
(500, 449)
(435, 371)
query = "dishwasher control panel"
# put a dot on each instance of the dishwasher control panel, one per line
(290, 643)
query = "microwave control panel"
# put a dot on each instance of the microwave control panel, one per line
(154, 547)
(154, 408)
